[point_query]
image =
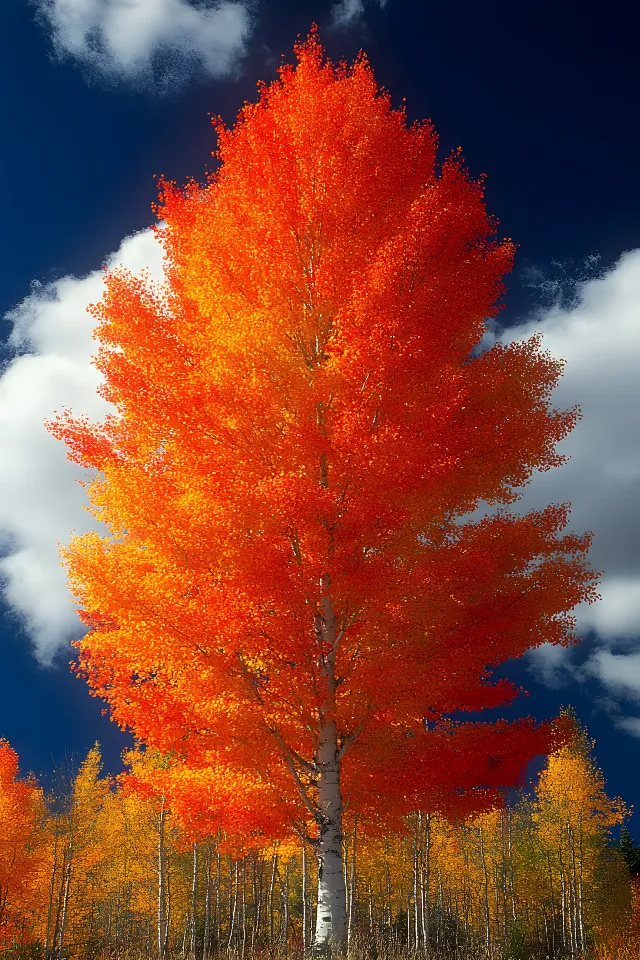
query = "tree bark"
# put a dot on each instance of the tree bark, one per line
(331, 921)
(416, 881)
(218, 882)
(47, 942)
(162, 893)
(304, 900)
(244, 904)
(233, 894)
(207, 906)
(194, 902)
(256, 890)
(65, 902)
(274, 868)
(487, 916)
(353, 884)
(331, 918)
(426, 903)
(580, 889)
(285, 906)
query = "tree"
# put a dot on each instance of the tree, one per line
(573, 818)
(289, 591)
(630, 852)
(78, 859)
(109, 866)
(23, 855)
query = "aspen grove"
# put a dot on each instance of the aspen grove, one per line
(113, 871)
(291, 603)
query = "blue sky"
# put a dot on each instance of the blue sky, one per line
(100, 95)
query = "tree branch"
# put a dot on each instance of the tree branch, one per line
(288, 758)
(350, 740)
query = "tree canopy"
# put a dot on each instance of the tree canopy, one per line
(290, 591)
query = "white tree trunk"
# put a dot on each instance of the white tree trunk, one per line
(162, 891)
(65, 903)
(207, 906)
(194, 902)
(331, 918)
(331, 921)
(52, 887)
(304, 900)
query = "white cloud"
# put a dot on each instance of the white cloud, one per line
(619, 672)
(552, 664)
(161, 41)
(345, 13)
(630, 725)
(39, 501)
(598, 334)
(617, 614)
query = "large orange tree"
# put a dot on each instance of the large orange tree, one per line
(289, 593)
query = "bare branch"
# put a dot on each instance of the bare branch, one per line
(304, 836)
(341, 632)
(288, 758)
(350, 740)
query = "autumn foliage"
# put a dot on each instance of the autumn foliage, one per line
(302, 421)
(507, 883)
(22, 853)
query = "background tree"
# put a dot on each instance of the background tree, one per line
(494, 884)
(23, 854)
(630, 852)
(573, 818)
(288, 591)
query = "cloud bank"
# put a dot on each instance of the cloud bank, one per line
(160, 41)
(40, 502)
(598, 334)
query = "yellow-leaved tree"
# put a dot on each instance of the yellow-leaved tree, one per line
(573, 817)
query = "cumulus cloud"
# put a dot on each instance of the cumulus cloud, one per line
(619, 672)
(39, 501)
(162, 41)
(630, 725)
(597, 331)
(346, 13)
(598, 335)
